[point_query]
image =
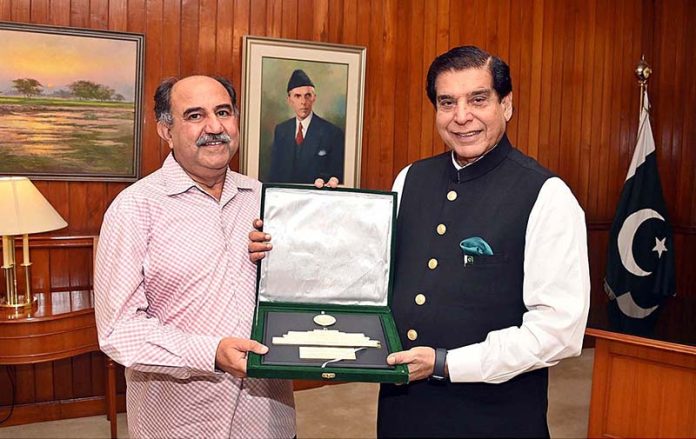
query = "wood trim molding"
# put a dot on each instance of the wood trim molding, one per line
(64, 409)
(598, 226)
(640, 341)
(62, 241)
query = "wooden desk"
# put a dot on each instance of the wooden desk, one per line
(61, 325)
(642, 387)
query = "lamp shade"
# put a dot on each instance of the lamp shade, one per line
(24, 210)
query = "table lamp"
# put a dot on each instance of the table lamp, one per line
(23, 210)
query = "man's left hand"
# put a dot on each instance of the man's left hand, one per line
(420, 360)
(260, 243)
(332, 183)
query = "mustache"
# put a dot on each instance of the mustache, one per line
(209, 138)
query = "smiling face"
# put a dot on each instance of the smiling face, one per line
(470, 117)
(301, 99)
(204, 134)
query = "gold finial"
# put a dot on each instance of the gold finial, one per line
(643, 71)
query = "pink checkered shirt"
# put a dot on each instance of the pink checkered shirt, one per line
(172, 279)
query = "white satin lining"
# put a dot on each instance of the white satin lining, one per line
(328, 247)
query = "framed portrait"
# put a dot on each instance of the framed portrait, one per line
(302, 112)
(70, 103)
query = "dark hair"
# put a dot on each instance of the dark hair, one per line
(163, 98)
(469, 57)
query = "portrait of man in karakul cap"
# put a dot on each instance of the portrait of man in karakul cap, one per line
(305, 147)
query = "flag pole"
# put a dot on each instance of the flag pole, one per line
(643, 72)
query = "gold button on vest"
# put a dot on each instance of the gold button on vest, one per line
(412, 334)
(420, 299)
(441, 229)
(451, 195)
(432, 264)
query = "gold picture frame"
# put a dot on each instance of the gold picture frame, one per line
(338, 75)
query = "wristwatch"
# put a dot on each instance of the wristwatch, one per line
(439, 369)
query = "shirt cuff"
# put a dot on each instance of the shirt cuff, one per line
(201, 352)
(464, 364)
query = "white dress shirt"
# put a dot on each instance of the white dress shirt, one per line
(556, 293)
(305, 124)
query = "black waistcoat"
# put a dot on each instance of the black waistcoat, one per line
(494, 198)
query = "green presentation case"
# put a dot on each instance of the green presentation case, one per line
(333, 252)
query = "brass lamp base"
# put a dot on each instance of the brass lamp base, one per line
(22, 302)
(12, 297)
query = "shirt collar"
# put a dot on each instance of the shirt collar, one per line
(481, 165)
(305, 122)
(459, 167)
(177, 181)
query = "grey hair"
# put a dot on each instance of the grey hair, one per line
(166, 118)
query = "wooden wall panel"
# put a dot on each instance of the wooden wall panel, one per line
(575, 101)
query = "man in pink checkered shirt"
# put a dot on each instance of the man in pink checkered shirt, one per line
(174, 287)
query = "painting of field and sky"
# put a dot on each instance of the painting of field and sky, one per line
(69, 103)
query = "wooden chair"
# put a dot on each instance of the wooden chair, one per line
(110, 395)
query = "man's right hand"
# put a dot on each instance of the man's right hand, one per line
(231, 354)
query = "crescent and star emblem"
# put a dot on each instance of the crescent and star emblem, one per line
(625, 243)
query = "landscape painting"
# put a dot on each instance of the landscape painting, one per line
(70, 103)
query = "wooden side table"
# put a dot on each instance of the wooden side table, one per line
(61, 325)
(641, 387)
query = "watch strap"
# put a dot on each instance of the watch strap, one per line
(440, 360)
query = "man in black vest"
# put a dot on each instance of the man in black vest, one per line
(492, 279)
(305, 147)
